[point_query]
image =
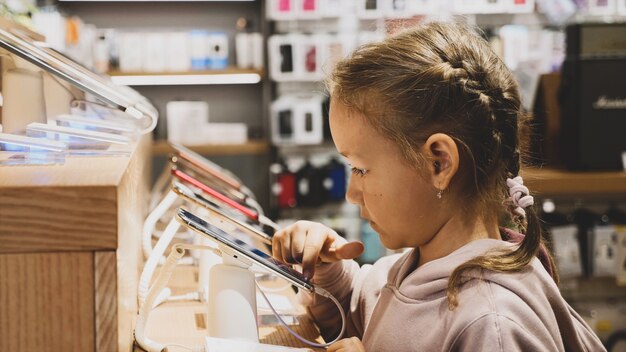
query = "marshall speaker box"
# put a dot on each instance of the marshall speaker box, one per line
(593, 97)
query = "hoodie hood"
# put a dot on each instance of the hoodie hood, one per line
(432, 278)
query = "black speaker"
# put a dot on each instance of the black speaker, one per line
(593, 97)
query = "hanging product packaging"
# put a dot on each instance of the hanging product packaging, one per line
(281, 9)
(310, 185)
(297, 120)
(335, 182)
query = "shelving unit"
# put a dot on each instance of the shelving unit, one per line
(555, 182)
(234, 95)
(227, 76)
(251, 147)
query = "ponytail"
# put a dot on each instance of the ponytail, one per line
(507, 262)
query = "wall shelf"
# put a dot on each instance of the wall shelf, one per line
(253, 147)
(556, 182)
(210, 77)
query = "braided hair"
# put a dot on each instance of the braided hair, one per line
(444, 78)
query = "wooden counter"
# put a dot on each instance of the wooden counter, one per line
(70, 253)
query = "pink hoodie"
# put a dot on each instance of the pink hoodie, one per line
(394, 306)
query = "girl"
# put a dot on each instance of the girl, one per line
(430, 122)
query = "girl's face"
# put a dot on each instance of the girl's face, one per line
(397, 200)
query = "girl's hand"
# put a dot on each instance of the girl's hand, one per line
(352, 344)
(309, 243)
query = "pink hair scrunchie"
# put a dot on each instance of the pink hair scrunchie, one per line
(519, 195)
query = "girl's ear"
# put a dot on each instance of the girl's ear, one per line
(443, 156)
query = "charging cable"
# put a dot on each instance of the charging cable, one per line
(153, 295)
(150, 224)
(320, 291)
(151, 264)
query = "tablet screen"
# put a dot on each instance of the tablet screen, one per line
(281, 269)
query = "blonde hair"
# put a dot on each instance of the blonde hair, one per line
(443, 77)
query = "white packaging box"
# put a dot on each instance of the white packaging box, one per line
(309, 9)
(177, 57)
(243, 50)
(131, 56)
(225, 133)
(313, 55)
(370, 9)
(282, 9)
(297, 120)
(217, 49)
(249, 50)
(198, 49)
(185, 121)
(154, 53)
(257, 46)
(286, 57)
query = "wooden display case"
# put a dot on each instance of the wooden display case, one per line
(70, 254)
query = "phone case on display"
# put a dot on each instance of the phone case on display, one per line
(282, 123)
(286, 189)
(297, 120)
(282, 9)
(521, 6)
(309, 9)
(567, 251)
(604, 251)
(310, 187)
(284, 57)
(398, 9)
(370, 9)
(312, 58)
(308, 124)
(336, 178)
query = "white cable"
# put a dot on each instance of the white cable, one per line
(161, 282)
(153, 260)
(152, 219)
(320, 291)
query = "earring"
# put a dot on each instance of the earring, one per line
(440, 194)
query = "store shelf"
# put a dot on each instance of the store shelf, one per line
(555, 182)
(226, 76)
(254, 147)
